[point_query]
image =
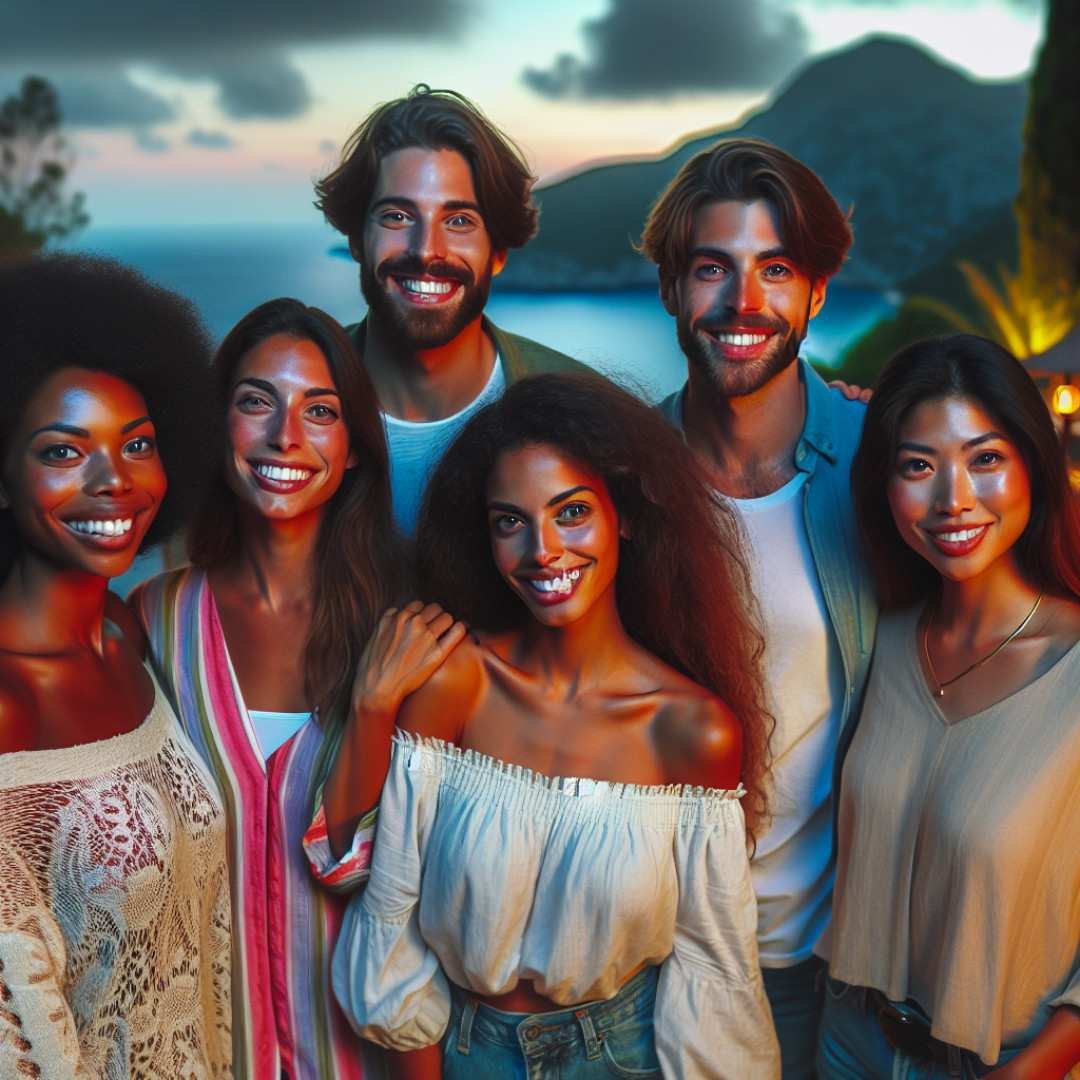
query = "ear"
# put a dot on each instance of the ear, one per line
(352, 460)
(669, 292)
(817, 295)
(498, 261)
(624, 530)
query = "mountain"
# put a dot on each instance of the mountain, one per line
(919, 151)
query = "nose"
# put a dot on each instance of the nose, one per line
(427, 241)
(748, 295)
(953, 490)
(108, 474)
(285, 433)
(546, 543)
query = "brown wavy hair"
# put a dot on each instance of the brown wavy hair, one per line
(965, 366)
(815, 231)
(682, 587)
(359, 563)
(434, 120)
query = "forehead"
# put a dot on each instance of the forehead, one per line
(83, 398)
(425, 176)
(537, 473)
(736, 227)
(286, 360)
(948, 420)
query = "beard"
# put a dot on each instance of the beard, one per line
(736, 378)
(415, 328)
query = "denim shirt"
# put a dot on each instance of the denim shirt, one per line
(825, 450)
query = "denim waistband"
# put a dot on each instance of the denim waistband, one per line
(532, 1031)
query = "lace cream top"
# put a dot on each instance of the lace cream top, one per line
(486, 873)
(114, 910)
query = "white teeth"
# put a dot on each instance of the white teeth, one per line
(273, 472)
(437, 288)
(960, 536)
(742, 339)
(94, 527)
(561, 584)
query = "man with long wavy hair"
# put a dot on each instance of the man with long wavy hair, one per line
(746, 239)
(431, 197)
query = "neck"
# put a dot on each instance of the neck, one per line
(427, 384)
(277, 558)
(985, 606)
(746, 443)
(58, 609)
(578, 657)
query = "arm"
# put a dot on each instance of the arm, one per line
(407, 646)
(1053, 1052)
(700, 742)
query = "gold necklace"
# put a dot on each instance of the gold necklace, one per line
(940, 691)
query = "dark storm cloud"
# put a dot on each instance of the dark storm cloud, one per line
(209, 140)
(109, 101)
(642, 48)
(239, 46)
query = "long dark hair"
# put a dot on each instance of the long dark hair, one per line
(682, 588)
(358, 558)
(966, 366)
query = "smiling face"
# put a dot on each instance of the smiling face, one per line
(742, 305)
(554, 533)
(82, 473)
(426, 261)
(959, 491)
(288, 446)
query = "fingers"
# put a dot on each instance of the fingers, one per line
(452, 638)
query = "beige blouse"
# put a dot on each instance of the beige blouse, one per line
(958, 880)
(486, 873)
(114, 910)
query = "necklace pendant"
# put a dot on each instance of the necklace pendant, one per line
(940, 692)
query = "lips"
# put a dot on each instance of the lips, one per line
(281, 477)
(555, 588)
(113, 533)
(956, 541)
(741, 342)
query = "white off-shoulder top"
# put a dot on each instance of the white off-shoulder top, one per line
(486, 873)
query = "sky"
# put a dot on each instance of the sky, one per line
(215, 111)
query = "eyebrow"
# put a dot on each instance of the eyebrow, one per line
(63, 429)
(321, 391)
(259, 384)
(401, 200)
(133, 424)
(760, 256)
(921, 449)
(561, 497)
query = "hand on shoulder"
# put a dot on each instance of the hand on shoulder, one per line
(441, 706)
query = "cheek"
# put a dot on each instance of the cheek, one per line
(1007, 493)
(332, 445)
(242, 432)
(908, 503)
(154, 480)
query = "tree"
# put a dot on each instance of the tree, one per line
(1048, 205)
(34, 163)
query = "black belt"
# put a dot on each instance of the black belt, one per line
(908, 1033)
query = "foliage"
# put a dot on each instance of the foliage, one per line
(1048, 205)
(34, 163)
(914, 320)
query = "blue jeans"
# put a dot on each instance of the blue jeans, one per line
(588, 1042)
(853, 1046)
(794, 995)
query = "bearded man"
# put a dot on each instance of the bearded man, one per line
(431, 197)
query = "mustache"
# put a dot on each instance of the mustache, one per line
(725, 325)
(414, 266)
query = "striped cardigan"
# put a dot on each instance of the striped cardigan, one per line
(285, 1019)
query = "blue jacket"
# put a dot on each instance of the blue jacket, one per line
(824, 452)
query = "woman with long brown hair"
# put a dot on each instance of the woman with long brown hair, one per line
(956, 927)
(294, 557)
(560, 879)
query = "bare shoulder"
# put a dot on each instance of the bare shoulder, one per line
(18, 712)
(440, 708)
(700, 739)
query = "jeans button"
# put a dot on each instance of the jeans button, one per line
(532, 1031)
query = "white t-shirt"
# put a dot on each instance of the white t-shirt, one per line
(792, 866)
(416, 448)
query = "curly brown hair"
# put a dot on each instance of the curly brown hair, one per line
(682, 588)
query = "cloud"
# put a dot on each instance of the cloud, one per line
(209, 140)
(109, 100)
(642, 48)
(150, 142)
(240, 46)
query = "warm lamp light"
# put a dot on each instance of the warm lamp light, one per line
(1066, 399)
